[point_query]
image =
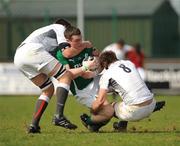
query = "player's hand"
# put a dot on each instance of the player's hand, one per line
(89, 64)
(96, 105)
(95, 52)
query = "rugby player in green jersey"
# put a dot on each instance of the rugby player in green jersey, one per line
(85, 87)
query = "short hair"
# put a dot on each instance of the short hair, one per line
(62, 22)
(70, 31)
(106, 58)
(121, 42)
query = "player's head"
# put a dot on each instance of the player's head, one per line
(121, 43)
(106, 58)
(62, 22)
(73, 36)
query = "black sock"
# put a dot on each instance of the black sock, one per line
(62, 95)
(39, 109)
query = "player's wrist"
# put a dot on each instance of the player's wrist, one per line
(85, 67)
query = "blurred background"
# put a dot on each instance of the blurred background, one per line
(155, 24)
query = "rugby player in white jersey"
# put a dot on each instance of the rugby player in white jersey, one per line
(122, 76)
(34, 60)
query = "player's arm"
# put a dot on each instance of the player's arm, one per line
(70, 52)
(89, 74)
(101, 100)
(92, 74)
(102, 94)
(62, 59)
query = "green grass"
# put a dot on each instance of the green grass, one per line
(161, 129)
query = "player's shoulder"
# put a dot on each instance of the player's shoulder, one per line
(57, 26)
(106, 73)
(127, 63)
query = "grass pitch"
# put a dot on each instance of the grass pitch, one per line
(161, 129)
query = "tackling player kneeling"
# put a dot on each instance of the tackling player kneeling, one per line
(137, 101)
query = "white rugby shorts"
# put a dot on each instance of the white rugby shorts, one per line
(88, 94)
(32, 59)
(133, 113)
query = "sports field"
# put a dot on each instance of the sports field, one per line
(161, 129)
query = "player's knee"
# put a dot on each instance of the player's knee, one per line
(49, 91)
(107, 112)
(69, 75)
(66, 78)
(47, 88)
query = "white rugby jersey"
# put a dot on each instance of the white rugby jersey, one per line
(49, 36)
(123, 77)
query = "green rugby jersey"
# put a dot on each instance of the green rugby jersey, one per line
(76, 62)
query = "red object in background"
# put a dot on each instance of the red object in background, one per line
(136, 58)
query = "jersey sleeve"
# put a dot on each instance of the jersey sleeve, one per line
(59, 30)
(63, 46)
(61, 58)
(104, 81)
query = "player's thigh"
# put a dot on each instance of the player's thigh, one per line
(51, 66)
(29, 60)
(32, 60)
(25, 61)
(55, 69)
(39, 79)
(65, 78)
